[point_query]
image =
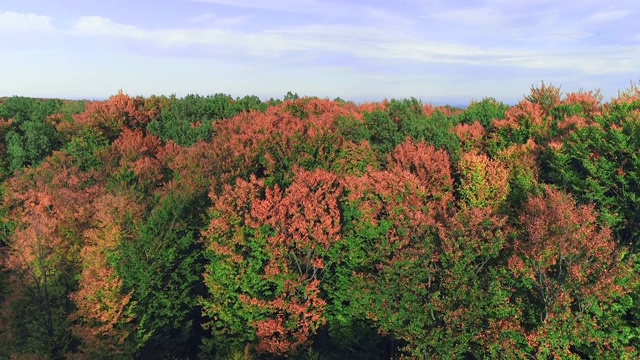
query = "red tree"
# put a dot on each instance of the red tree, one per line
(275, 244)
(51, 207)
(576, 275)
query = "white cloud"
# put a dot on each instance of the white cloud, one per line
(472, 16)
(606, 61)
(338, 48)
(373, 44)
(97, 25)
(557, 35)
(205, 17)
(607, 16)
(305, 6)
(386, 42)
(386, 17)
(212, 19)
(13, 21)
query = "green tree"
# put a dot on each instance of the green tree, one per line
(189, 119)
(85, 148)
(162, 269)
(30, 135)
(596, 162)
(484, 111)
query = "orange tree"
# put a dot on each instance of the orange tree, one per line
(573, 282)
(267, 250)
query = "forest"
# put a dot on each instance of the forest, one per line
(213, 227)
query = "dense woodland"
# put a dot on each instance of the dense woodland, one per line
(232, 228)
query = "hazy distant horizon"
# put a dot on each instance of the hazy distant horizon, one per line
(435, 102)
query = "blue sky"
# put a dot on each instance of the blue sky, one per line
(438, 51)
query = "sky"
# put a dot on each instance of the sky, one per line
(439, 51)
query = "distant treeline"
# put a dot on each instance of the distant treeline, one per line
(232, 228)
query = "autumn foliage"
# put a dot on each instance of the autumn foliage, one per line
(575, 273)
(214, 227)
(290, 235)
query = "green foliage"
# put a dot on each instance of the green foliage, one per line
(69, 108)
(349, 332)
(162, 268)
(386, 129)
(39, 324)
(383, 132)
(189, 119)
(32, 143)
(291, 96)
(21, 109)
(231, 327)
(250, 103)
(331, 230)
(378, 129)
(354, 159)
(522, 184)
(437, 131)
(484, 112)
(547, 96)
(15, 151)
(85, 147)
(123, 180)
(308, 153)
(31, 136)
(599, 165)
(563, 111)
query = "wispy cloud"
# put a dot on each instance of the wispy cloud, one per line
(557, 36)
(369, 43)
(305, 6)
(178, 38)
(12, 21)
(472, 16)
(97, 25)
(372, 42)
(607, 16)
(210, 19)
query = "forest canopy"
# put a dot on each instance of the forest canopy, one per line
(234, 228)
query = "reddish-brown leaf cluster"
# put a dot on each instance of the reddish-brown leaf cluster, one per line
(471, 135)
(573, 265)
(298, 314)
(589, 101)
(304, 221)
(305, 227)
(139, 153)
(526, 114)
